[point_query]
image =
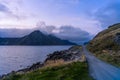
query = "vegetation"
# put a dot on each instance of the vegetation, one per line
(76, 47)
(106, 45)
(71, 71)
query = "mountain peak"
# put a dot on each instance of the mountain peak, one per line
(35, 38)
(36, 32)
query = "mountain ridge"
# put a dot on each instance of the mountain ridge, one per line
(35, 38)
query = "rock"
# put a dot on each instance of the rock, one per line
(31, 68)
(117, 38)
(65, 55)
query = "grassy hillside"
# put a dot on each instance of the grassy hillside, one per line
(71, 71)
(106, 45)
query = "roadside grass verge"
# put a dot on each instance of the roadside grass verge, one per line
(71, 71)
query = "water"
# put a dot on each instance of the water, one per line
(19, 57)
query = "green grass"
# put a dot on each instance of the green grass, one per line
(72, 71)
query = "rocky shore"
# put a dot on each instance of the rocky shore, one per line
(72, 54)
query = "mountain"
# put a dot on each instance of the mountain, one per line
(106, 45)
(35, 38)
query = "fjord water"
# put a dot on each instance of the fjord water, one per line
(18, 57)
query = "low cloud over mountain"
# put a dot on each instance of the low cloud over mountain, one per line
(73, 34)
(64, 32)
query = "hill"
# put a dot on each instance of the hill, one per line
(106, 45)
(35, 38)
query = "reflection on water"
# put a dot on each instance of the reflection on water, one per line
(18, 57)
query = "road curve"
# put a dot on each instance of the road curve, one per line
(100, 70)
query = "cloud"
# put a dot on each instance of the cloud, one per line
(45, 28)
(66, 1)
(3, 8)
(109, 14)
(13, 9)
(66, 32)
(6, 12)
(14, 32)
(73, 34)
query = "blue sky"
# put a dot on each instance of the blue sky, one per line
(88, 16)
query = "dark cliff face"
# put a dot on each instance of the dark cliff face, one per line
(35, 38)
(117, 38)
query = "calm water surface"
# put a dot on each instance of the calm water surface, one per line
(18, 57)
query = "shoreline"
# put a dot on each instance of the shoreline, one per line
(24, 56)
(68, 55)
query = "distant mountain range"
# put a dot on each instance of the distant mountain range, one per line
(35, 38)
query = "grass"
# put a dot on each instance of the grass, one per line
(71, 71)
(112, 59)
(105, 47)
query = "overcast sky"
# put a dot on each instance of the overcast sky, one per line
(85, 17)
